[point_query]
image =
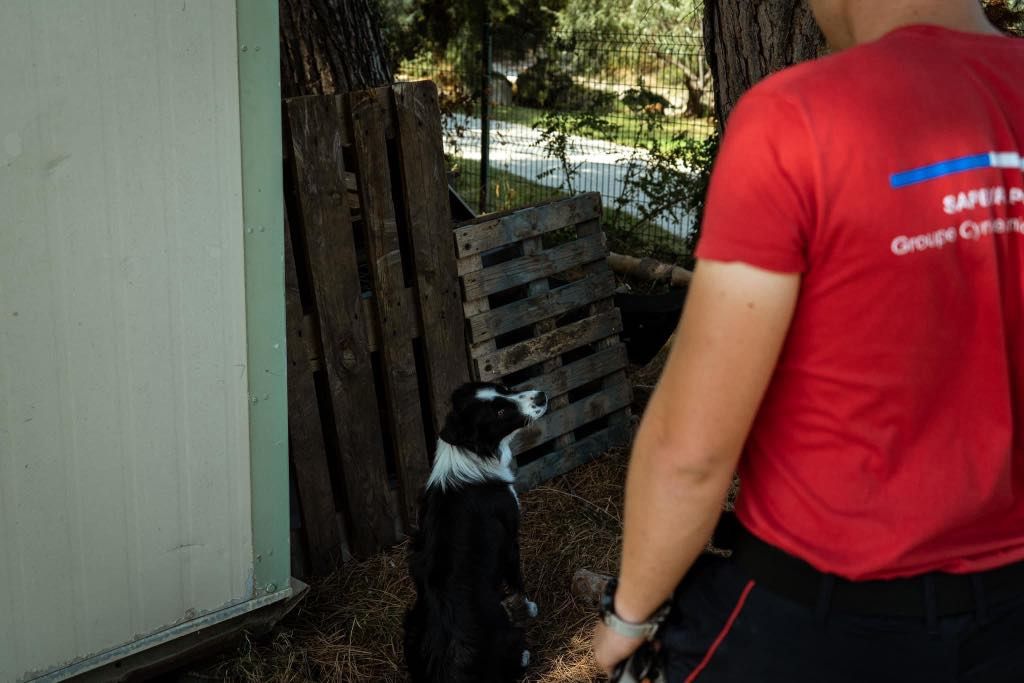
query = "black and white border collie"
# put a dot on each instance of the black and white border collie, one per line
(464, 559)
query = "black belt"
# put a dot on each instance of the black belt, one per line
(927, 595)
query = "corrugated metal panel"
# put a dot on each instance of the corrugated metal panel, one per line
(124, 460)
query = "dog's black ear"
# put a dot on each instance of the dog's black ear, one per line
(452, 432)
(453, 429)
(462, 396)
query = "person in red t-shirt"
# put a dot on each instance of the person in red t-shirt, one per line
(853, 340)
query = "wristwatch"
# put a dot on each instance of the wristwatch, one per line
(645, 629)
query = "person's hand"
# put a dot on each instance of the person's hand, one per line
(611, 648)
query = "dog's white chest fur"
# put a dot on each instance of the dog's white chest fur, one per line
(454, 466)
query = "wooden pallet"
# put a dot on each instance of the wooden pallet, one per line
(371, 237)
(538, 301)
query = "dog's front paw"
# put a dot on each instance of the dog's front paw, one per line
(519, 608)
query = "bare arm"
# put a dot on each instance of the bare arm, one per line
(693, 430)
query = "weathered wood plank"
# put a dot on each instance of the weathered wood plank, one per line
(564, 460)
(369, 111)
(523, 270)
(603, 269)
(573, 416)
(487, 217)
(524, 354)
(574, 375)
(532, 246)
(475, 307)
(406, 311)
(547, 304)
(525, 223)
(317, 125)
(425, 194)
(305, 433)
(342, 131)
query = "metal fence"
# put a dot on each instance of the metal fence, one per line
(578, 112)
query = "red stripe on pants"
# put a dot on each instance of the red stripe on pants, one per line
(721, 636)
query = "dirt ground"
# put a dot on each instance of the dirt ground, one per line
(349, 627)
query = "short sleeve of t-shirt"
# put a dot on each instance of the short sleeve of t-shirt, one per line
(760, 207)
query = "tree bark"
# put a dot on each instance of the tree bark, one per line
(746, 40)
(331, 46)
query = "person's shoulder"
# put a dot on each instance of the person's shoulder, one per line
(817, 78)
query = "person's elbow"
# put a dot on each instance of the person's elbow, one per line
(692, 462)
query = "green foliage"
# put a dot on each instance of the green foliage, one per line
(401, 26)
(557, 130)
(454, 26)
(548, 85)
(544, 84)
(631, 16)
(666, 178)
(1008, 15)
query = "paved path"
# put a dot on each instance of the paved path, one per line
(517, 149)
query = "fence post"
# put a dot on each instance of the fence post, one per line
(485, 111)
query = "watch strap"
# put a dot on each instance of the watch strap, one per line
(645, 630)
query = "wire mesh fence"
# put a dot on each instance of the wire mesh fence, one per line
(617, 114)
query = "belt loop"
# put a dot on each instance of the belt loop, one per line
(980, 600)
(828, 584)
(930, 605)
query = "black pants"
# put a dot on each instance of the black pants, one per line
(725, 628)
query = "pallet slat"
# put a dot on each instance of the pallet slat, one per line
(603, 269)
(369, 111)
(573, 416)
(524, 354)
(425, 193)
(523, 224)
(580, 372)
(536, 288)
(550, 303)
(405, 313)
(561, 461)
(524, 270)
(317, 126)
(306, 439)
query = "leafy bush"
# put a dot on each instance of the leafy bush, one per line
(666, 179)
(548, 85)
(544, 84)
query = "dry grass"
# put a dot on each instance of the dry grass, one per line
(350, 626)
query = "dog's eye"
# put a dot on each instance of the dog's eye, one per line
(501, 412)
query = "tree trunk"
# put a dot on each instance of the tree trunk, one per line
(331, 46)
(747, 40)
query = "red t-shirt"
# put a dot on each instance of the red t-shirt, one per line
(890, 441)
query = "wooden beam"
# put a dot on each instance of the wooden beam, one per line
(369, 111)
(524, 270)
(649, 269)
(524, 354)
(428, 217)
(526, 223)
(316, 125)
(305, 433)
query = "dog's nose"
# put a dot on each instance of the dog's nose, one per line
(541, 399)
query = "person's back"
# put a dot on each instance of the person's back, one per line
(890, 441)
(853, 337)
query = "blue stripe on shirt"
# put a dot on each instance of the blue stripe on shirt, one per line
(943, 168)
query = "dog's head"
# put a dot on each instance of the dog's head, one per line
(483, 414)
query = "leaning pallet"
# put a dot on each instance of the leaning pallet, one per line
(371, 229)
(538, 298)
